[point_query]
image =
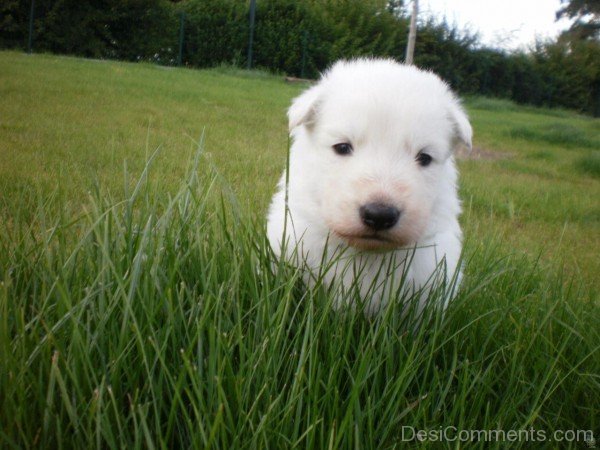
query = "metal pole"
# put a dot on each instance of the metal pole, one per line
(31, 14)
(251, 37)
(181, 36)
(412, 34)
(304, 50)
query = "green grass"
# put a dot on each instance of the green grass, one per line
(143, 308)
(66, 121)
(566, 136)
(589, 164)
(536, 196)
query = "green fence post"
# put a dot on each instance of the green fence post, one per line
(304, 51)
(251, 37)
(30, 39)
(181, 36)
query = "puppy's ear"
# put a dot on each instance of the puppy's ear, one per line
(463, 133)
(303, 109)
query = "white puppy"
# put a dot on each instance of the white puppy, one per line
(372, 178)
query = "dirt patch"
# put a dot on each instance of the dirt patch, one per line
(481, 153)
(298, 80)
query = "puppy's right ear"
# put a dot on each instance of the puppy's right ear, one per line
(462, 128)
(303, 109)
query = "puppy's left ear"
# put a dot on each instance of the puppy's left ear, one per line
(303, 109)
(463, 133)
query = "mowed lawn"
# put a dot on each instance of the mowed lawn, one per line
(68, 123)
(141, 306)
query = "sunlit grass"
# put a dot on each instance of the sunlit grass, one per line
(140, 305)
(589, 164)
(68, 123)
(168, 323)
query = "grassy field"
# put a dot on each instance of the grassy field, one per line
(67, 124)
(140, 306)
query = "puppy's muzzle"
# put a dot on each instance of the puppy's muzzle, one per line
(379, 216)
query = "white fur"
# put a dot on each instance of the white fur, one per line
(388, 112)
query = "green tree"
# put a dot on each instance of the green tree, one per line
(587, 17)
(13, 21)
(216, 31)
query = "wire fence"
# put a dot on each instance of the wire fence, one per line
(299, 38)
(185, 43)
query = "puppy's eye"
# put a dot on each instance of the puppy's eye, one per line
(424, 159)
(343, 148)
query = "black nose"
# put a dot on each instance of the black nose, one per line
(379, 216)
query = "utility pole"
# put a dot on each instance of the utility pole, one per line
(412, 34)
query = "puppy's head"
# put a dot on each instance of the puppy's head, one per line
(374, 142)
